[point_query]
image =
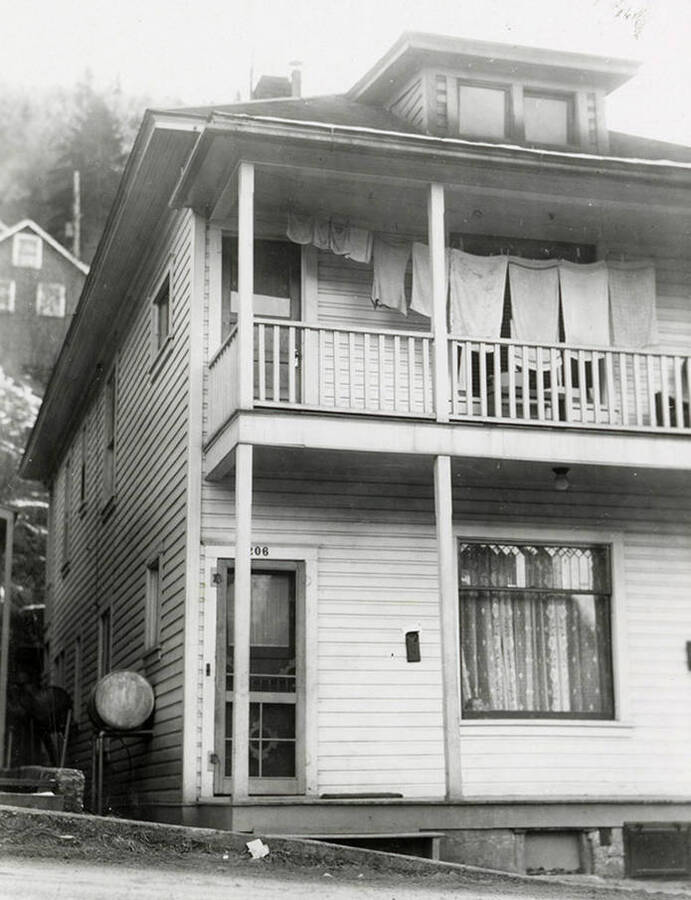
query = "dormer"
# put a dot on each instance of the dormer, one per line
(501, 93)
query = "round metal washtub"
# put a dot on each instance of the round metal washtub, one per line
(121, 701)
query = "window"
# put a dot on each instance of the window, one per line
(83, 451)
(77, 680)
(7, 294)
(66, 517)
(483, 111)
(104, 643)
(50, 299)
(535, 631)
(161, 314)
(109, 437)
(152, 618)
(58, 675)
(548, 119)
(276, 281)
(27, 251)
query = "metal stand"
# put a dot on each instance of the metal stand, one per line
(97, 749)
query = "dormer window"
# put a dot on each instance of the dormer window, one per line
(548, 118)
(483, 111)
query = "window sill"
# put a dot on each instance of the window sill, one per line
(108, 509)
(162, 355)
(547, 726)
(152, 656)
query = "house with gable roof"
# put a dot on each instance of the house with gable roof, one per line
(370, 450)
(40, 284)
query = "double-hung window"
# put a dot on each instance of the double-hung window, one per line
(535, 631)
(27, 251)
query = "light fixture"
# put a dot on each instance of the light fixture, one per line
(561, 478)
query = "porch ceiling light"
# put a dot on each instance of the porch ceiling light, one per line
(561, 478)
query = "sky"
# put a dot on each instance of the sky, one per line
(202, 51)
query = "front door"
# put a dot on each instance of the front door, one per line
(276, 665)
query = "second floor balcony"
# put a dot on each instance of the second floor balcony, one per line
(355, 371)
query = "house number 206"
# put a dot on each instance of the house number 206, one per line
(259, 550)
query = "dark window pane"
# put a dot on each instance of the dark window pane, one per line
(228, 768)
(278, 759)
(255, 759)
(278, 720)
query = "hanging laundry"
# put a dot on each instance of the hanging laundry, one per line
(300, 228)
(477, 285)
(353, 243)
(421, 297)
(632, 304)
(321, 236)
(534, 300)
(585, 303)
(390, 258)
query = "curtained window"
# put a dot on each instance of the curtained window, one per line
(535, 631)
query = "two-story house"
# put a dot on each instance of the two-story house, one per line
(369, 448)
(40, 284)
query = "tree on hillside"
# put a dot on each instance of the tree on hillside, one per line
(92, 145)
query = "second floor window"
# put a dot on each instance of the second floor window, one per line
(27, 251)
(104, 643)
(152, 623)
(50, 299)
(161, 314)
(110, 402)
(548, 119)
(66, 514)
(7, 294)
(483, 111)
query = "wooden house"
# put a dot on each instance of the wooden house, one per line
(40, 284)
(409, 368)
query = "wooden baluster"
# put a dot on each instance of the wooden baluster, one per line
(382, 371)
(609, 387)
(496, 377)
(261, 362)
(427, 391)
(468, 362)
(568, 386)
(512, 382)
(525, 382)
(351, 369)
(276, 363)
(650, 380)
(396, 370)
(365, 368)
(664, 390)
(540, 375)
(337, 368)
(322, 366)
(411, 374)
(678, 394)
(554, 382)
(624, 388)
(596, 385)
(483, 381)
(292, 362)
(456, 358)
(582, 386)
(637, 388)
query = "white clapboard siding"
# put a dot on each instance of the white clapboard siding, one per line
(379, 718)
(108, 558)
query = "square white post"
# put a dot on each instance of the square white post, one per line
(245, 335)
(448, 621)
(437, 252)
(241, 620)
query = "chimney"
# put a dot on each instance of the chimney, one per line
(296, 78)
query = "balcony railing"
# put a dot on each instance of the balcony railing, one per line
(390, 373)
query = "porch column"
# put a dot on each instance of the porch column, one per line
(241, 620)
(448, 623)
(245, 336)
(437, 251)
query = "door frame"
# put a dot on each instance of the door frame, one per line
(269, 554)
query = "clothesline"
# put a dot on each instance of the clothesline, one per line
(602, 303)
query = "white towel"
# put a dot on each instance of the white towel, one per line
(300, 228)
(421, 297)
(390, 258)
(632, 304)
(477, 285)
(585, 303)
(353, 243)
(321, 236)
(534, 300)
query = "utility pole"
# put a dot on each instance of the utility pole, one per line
(6, 515)
(76, 214)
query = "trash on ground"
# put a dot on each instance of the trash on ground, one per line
(258, 849)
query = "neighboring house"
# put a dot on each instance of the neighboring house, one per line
(40, 284)
(465, 528)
